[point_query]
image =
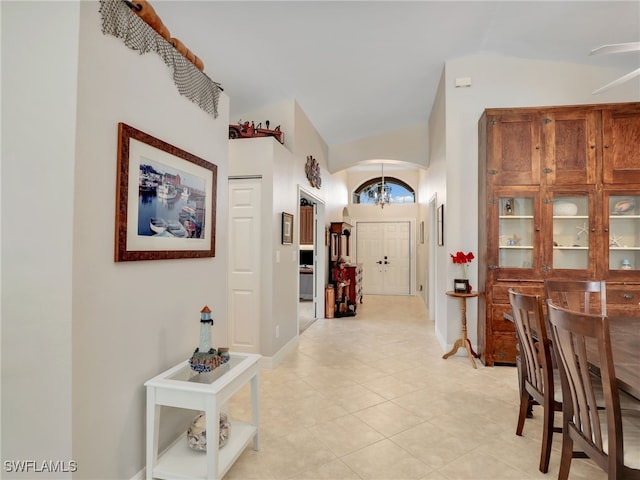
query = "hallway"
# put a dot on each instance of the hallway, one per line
(370, 397)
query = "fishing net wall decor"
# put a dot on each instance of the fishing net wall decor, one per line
(118, 20)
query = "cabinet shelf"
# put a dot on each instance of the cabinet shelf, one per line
(570, 248)
(181, 462)
(516, 247)
(516, 217)
(570, 217)
(624, 248)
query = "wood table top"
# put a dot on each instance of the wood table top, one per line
(625, 347)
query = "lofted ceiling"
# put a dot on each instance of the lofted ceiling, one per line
(360, 68)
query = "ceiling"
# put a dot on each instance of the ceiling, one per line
(361, 68)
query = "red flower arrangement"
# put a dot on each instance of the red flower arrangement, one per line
(461, 257)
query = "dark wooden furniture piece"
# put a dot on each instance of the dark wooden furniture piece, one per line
(598, 433)
(354, 273)
(583, 296)
(339, 243)
(463, 341)
(537, 371)
(340, 247)
(559, 197)
(306, 225)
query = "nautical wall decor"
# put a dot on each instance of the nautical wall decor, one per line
(312, 169)
(140, 29)
(165, 200)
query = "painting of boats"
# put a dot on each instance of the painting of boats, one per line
(158, 225)
(171, 203)
(177, 230)
(167, 191)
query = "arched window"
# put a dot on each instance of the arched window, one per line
(371, 191)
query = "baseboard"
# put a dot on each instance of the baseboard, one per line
(141, 475)
(275, 360)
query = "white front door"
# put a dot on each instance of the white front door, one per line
(384, 250)
(244, 265)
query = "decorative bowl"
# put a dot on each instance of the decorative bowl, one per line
(564, 209)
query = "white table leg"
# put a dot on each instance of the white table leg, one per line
(255, 404)
(153, 422)
(213, 436)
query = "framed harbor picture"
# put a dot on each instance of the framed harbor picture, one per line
(165, 200)
(287, 228)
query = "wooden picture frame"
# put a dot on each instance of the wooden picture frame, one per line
(440, 223)
(287, 228)
(165, 200)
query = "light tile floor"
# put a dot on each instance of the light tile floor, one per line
(370, 397)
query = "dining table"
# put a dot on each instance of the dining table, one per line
(624, 332)
(625, 349)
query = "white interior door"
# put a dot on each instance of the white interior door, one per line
(244, 265)
(384, 250)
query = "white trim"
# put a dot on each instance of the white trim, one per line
(275, 360)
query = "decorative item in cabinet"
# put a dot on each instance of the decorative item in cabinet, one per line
(516, 232)
(624, 233)
(571, 237)
(306, 225)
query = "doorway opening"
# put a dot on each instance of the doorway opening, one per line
(311, 259)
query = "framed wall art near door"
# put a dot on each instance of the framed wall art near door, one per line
(287, 228)
(165, 200)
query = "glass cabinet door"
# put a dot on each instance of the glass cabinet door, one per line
(516, 232)
(571, 232)
(624, 232)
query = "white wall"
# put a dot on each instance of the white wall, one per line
(119, 323)
(133, 320)
(496, 82)
(39, 78)
(282, 172)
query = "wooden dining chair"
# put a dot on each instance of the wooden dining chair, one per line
(604, 435)
(589, 296)
(537, 382)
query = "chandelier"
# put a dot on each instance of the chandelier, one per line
(382, 191)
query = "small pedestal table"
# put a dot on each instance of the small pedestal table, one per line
(463, 341)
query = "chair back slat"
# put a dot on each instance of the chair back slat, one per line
(588, 296)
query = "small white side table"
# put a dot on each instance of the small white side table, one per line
(208, 392)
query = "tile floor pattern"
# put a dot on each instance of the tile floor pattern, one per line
(370, 397)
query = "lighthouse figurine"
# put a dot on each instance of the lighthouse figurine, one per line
(205, 358)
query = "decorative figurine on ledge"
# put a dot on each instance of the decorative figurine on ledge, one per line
(206, 358)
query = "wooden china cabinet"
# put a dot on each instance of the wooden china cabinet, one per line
(559, 197)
